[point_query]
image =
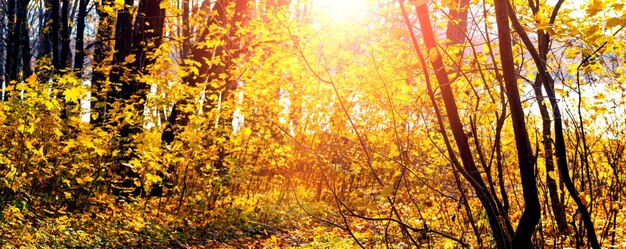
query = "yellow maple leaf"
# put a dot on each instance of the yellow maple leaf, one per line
(73, 94)
(152, 178)
(119, 4)
(594, 7)
(107, 9)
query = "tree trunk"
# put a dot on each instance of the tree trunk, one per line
(141, 41)
(557, 207)
(54, 35)
(100, 91)
(18, 42)
(79, 58)
(45, 45)
(2, 45)
(147, 35)
(12, 43)
(24, 38)
(123, 48)
(208, 73)
(501, 230)
(65, 36)
(186, 46)
(457, 25)
(532, 210)
(559, 139)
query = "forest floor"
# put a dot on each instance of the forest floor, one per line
(240, 224)
(317, 237)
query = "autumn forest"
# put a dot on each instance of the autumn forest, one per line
(312, 124)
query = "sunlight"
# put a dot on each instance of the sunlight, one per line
(344, 10)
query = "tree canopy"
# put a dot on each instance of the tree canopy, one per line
(313, 124)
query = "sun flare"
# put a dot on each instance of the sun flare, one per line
(344, 10)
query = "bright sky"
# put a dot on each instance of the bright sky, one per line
(344, 10)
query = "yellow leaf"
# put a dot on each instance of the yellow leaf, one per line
(30, 129)
(49, 105)
(119, 4)
(594, 7)
(73, 94)
(246, 131)
(32, 79)
(388, 191)
(29, 145)
(107, 9)
(11, 174)
(83, 180)
(194, 70)
(551, 174)
(151, 178)
(100, 151)
(57, 132)
(615, 21)
(129, 59)
(21, 86)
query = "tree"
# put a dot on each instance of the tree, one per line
(18, 41)
(434, 124)
(202, 54)
(548, 83)
(532, 213)
(2, 42)
(135, 46)
(501, 228)
(100, 89)
(79, 56)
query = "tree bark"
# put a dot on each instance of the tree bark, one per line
(13, 33)
(2, 45)
(24, 38)
(45, 45)
(54, 23)
(457, 25)
(186, 46)
(532, 210)
(557, 207)
(123, 48)
(559, 139)
(500, 231)
(65, 36)
(147, 35)
(79, 57)
(141, 40)
(18, 42)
